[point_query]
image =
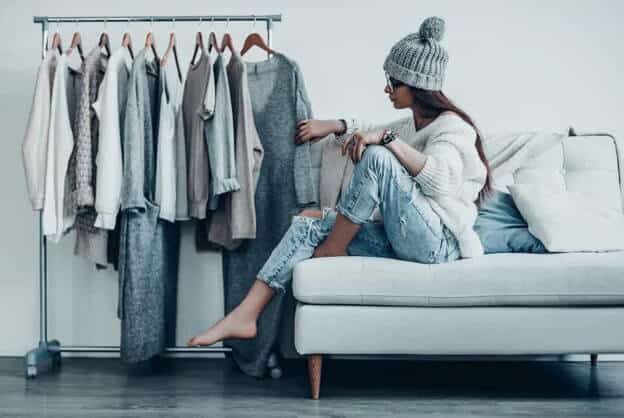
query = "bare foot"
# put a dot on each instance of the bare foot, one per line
(324, 250)
(233, 325)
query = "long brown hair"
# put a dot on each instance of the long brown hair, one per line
(434, 102)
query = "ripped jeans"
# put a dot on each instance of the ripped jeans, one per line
(410, 231)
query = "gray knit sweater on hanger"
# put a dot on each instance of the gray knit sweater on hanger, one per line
(279, 99)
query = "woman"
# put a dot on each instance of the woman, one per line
(424, 174)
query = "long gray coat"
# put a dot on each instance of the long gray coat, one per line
(149, 246)
(279, 99)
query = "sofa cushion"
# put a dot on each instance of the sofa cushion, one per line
(490, 280)
(569, 221)
(583, 164)
(485, 330)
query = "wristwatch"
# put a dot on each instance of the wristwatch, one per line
(388, 136)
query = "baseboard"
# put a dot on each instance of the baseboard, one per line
(562, 358)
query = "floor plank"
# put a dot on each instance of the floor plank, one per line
(350, 388)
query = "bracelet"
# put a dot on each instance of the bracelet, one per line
(344, 124)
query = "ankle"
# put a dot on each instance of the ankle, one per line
(241, 312)
(334, 247)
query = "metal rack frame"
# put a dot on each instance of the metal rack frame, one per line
(47, 356)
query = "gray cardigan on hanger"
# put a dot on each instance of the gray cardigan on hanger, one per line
(285, 186)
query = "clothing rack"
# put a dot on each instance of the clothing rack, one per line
(47, 355)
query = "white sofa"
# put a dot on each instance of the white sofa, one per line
(497, 304)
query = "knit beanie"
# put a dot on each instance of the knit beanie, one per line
(418, 59)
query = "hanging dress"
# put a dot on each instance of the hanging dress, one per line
(285, 186)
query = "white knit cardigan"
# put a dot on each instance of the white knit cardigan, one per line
(451, 178)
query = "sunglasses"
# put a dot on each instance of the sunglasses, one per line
(393, 83)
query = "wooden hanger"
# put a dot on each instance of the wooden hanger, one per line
(199, 43)
(255, 39)
(227, 39)
(212, 42)
(227, 42)
(150, 43)
(76, 43)
(56, 42)
(126, 42)
(172, 47)
(105, 43)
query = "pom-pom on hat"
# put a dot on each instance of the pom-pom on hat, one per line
(419, 59)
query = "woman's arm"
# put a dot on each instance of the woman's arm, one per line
(412, 159)
(314, 130)
(438, 171)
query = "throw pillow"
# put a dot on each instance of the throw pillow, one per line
(502, 229)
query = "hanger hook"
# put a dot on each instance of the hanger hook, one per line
(254, 22)
(199, 24)
(173, 24)
(76, 24)
(128, 25)
(152, 23)
(227, 23)
(105, 24)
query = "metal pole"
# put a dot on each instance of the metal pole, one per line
(115, 349)
(269, 26)
(125, 19)
(43, 282)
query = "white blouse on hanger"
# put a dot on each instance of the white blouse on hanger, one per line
(109, 108)
(169, 130)
(58, 219)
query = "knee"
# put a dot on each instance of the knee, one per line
(378, 156)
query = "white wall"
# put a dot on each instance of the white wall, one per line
(513, 65)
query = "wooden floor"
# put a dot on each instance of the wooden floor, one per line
(350, 388)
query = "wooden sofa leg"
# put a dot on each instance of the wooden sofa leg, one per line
(315, 362)
(593, 359)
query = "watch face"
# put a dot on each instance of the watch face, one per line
(388, 137)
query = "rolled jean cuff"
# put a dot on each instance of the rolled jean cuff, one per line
(273, 284)
(350, 215)
(297, 244)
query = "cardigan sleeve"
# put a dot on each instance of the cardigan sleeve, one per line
(403, 126)
(35, 143)
(82, 165)
(305, 188)
(354, 125)
(219, 136)
(442, 173)
(133, 180)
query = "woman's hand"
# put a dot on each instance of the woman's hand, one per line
(314, 130)
(357, 143)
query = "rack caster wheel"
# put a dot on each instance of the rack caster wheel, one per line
(276, 372)
(43, 359)
(57, 361)
(272, 360)
(31, 372)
